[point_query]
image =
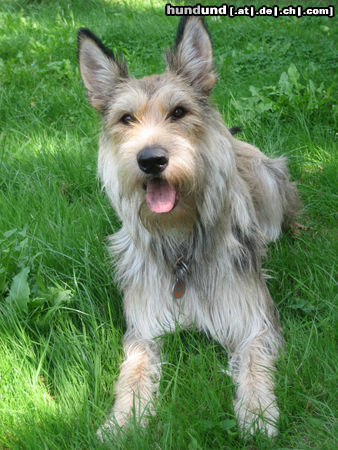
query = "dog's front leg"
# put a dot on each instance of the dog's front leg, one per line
(137, 383)
(252, 366)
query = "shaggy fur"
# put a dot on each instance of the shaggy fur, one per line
(230, 200)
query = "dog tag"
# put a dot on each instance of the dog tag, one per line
(178, 288)
(180, 270)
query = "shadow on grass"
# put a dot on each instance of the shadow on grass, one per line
(48, 161)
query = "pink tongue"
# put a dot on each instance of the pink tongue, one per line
(160, 196)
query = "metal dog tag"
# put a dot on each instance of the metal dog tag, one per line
(178, 288)
(180, 270)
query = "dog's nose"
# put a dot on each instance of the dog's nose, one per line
(153, 160)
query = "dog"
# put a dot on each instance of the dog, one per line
(198, 207)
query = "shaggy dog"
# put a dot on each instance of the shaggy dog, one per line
(197, 208)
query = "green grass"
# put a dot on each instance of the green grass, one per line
(61, 318)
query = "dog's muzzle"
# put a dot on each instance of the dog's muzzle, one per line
(161, 196)
(153, 160)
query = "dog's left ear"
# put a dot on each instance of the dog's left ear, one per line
(191, 56)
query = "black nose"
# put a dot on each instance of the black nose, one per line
(153, 160)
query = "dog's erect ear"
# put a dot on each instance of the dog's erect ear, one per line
(100, 70)
(191, 56)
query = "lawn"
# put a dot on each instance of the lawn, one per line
(61, 320)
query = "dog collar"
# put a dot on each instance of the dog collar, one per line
(180, 271)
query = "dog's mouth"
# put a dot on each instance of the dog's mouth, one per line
(161, 196)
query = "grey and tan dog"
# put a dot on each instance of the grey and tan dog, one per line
(198, 207)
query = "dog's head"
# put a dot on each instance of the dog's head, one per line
(151, 158)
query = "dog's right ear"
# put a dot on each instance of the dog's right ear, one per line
(100, 70)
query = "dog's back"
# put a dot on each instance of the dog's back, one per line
(276, 200)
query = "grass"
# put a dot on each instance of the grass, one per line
(61, 319)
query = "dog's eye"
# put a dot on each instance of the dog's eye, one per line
(178, 113)
(127, 119)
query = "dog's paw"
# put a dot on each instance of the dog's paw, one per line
(252, 418)
(112, 426)
(107, 431)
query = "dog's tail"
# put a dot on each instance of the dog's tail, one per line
(235, 130)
